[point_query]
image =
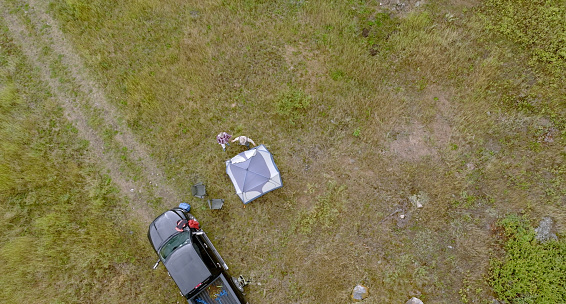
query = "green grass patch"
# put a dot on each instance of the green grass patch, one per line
(292, 105)
(530, 272)
(325, 211)
(538, 26)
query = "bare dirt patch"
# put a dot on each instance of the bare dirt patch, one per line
(442, 124)
(412, 143)
(416, 140)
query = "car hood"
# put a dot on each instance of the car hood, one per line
(186, 268)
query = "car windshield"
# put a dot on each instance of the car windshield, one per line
(174, 243)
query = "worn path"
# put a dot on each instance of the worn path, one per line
(86, 105)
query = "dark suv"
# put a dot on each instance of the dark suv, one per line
(192, 261)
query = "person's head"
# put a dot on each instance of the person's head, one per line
(243, 140)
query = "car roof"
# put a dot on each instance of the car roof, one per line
(186, 268)
(163, 227)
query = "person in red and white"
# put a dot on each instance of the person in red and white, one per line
(223, 139)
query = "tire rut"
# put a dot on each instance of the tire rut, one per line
(91, 96)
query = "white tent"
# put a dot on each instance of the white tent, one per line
(253, 173)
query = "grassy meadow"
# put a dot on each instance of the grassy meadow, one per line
(369, 109)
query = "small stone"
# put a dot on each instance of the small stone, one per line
(132, 190)
(544, 230)
(414, 300)
(420, 199)
(360, 292)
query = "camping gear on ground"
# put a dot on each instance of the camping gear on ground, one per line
(253, 173)
(215, 203)
(194, 224)
(198, 190)
(185, 206)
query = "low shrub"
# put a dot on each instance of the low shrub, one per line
(539, 26)
(530, 272)
(292, 104)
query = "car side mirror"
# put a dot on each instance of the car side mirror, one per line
(157, 264)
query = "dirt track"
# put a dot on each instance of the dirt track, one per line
(43, 43)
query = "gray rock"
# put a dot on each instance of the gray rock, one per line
(544, 230)
(414, 300)
(419, 199)
(360, 292)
